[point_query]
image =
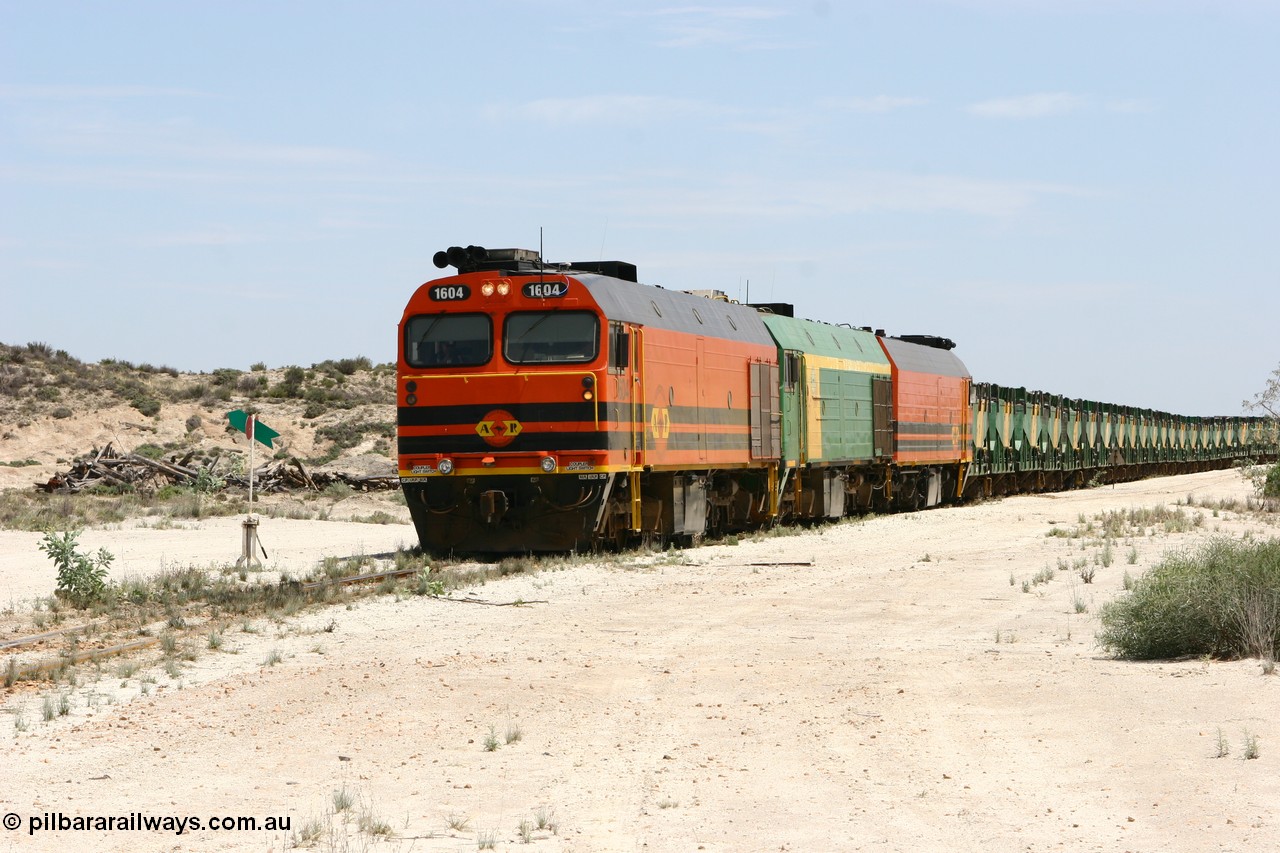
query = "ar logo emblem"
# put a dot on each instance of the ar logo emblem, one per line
(499, 428)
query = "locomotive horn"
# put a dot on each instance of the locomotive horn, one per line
(457, 255)
(476, 254)
(440, 259)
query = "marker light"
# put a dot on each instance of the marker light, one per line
(411, 400)
(548, 464)
(445, 466)
(586, 395)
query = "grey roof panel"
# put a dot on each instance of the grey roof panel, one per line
(923, 359)
(675, 310)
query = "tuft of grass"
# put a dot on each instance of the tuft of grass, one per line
(343, 800)
(458, 822)
(1249, 750)
(273, 657)
(371, 825)
(491, 740)
(525, 831)
(1222, 748)
(309, 834)
(513, 733)
(487, 840)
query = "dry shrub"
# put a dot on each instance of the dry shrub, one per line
(1221, 600)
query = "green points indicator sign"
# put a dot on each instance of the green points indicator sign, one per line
(252, 427)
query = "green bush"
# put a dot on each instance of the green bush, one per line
(148, 406)
(82, 579)
(348, 366)
(290, 385)
(1221, 600)
(1271, 487)
(226, 377)
(347, 434)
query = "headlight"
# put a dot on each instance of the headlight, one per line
(504, 288)
(487, 288)
(548, 464)
(445, 466)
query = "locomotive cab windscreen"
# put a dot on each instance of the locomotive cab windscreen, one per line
(551, 337)
(448, 340)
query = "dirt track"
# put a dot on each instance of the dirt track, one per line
(901, 694)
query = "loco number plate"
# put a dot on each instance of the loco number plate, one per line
(449, 293)
(545, 289)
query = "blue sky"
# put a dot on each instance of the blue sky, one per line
(1084, 195)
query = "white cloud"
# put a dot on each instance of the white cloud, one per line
(208, 237)
(740, 13)
(1030, 106)
(613, 109)
(854, 193)
(874, 104)
(75, 92)
(1130, 105)
(700, 26)
(175, 141)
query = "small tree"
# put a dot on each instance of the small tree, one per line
(82, 578)
(1267, 404)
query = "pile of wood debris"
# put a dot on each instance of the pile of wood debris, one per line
(107, 467)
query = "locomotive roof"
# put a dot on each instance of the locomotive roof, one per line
(924, 359)
(672, 309)
(824, 339)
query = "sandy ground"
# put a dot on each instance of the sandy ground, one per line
(902, 693)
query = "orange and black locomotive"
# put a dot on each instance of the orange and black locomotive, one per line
(560, 407)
